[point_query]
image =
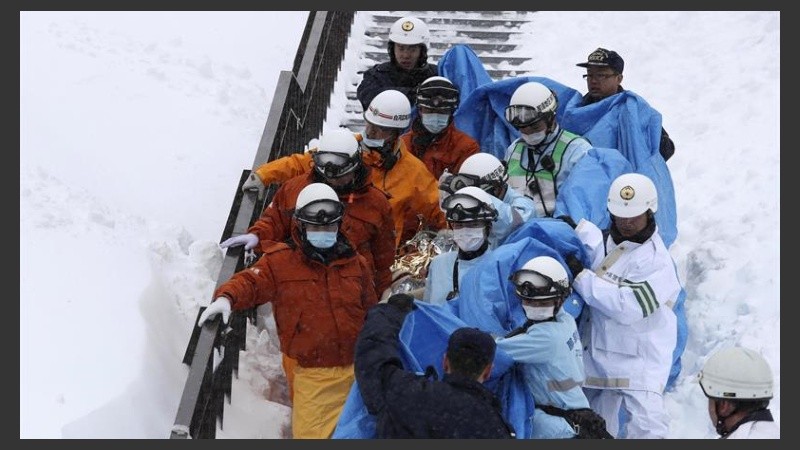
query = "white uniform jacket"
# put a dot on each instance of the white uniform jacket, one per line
(630, 330)
(760, 429)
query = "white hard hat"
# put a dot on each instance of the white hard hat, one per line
(318, 204)
(469, 204)
(736, 373)
(339, 141)
(484, 166)
(338, 153)
(530, 103)
(631, 194)
(409, 31)
(541, 278)
(390, 109)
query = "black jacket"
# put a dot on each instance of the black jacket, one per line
(413, 406)
(385, 76)
(666, 147)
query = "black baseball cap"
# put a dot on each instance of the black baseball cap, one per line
(604, 58)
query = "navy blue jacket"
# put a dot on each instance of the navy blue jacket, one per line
(407, 405)
(387, 75)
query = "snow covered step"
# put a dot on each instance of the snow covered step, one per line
(493, 36)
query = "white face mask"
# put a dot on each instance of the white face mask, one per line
(435, 122)
(372, 143)
(468, 239)
(539, 312)
(535, 138)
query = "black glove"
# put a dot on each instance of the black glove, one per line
(575, 265)
(403, 302)
(569, 221)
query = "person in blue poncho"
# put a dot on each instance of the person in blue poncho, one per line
(408, 405)
(541, 159)
(488, 173)
(470, 214)
(549, 348)
(604, 78)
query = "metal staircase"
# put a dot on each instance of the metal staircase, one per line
(494, 36)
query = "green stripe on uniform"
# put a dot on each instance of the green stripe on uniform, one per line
(644, 295)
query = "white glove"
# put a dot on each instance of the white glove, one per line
(254, 183)
(220, 305)
(249, 240)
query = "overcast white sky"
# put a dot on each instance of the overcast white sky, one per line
(134, 130)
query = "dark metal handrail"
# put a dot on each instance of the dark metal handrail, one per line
(296, 115)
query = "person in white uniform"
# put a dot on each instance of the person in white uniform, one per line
(470, 214)
(738, 384)
(628, 327)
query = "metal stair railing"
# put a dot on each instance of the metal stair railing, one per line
(296, 115)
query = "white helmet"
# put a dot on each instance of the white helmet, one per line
(468, 205)
(484, 166)
(318, 204)
(337, 154)
(541, 278)
(736, 373)
(482, 170)
(631, 194)
(530, 103)
(409, 31)
(339, 141)
(390, 109)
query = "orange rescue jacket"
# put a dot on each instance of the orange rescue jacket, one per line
(319, 308)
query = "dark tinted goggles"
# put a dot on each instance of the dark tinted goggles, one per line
(320, 212)
(334, 165)
(454, 182)
(532, 285)
(521, 116)
(466, 208)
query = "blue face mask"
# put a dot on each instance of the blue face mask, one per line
(435, 122)
(321, 239)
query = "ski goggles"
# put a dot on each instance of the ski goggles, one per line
(521, 116)
(453, 182)
(532, 285)
(334, 165)
(320, 212)
(466, 208)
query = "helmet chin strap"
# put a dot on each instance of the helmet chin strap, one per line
(722, 430)
(388, 156)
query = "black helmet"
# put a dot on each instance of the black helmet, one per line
(438, 93)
